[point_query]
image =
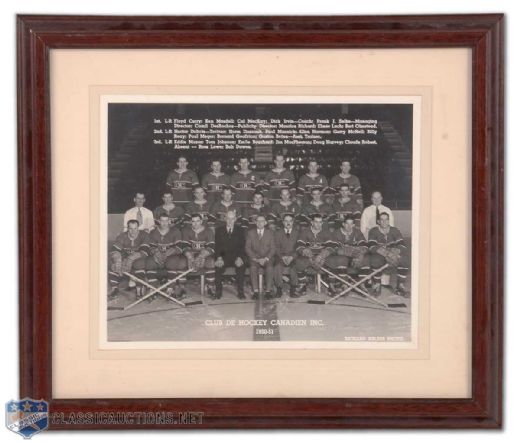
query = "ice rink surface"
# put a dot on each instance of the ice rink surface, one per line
(262, 320)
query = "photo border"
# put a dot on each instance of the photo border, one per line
(99, 169)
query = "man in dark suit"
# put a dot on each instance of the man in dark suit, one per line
(285, 241)
(230, 253)
(260, 250)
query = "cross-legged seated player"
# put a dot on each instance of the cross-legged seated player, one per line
(314, 246)
(198, 247)
(165, 241)
(128, 247)
(351, 247)
(386, 245)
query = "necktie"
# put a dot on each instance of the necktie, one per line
(229, 231)
(139, 216)
(260, 233)
(378, 215)
(287, 233)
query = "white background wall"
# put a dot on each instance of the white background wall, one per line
(8, 257)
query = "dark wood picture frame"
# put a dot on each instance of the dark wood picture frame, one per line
(483, 34)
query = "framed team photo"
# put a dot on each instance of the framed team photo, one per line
(252, 222)
(320, 172)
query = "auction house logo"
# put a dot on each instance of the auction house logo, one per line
(27, 416)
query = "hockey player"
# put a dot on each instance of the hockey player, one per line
(181, 181)
(215, 182)
(253, 210)
(283, 207)
(346, 178)
(128, 247)
(199, 205)
(277, 179)
(173, 211)
(244, 183)
(386, 245)
(220, 208)
(314, 245)
(346, 206)
(198, 247)
(312, 180)
(317, 206)
(164, 242)
(351, 247)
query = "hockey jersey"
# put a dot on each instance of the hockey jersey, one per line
(342, 209)
(127, 245)
(344, 238)
(176, 214)
(202, 208)
(196, 242)
(277, 181)
(315, 241)
(352, 181)
(392, 239)
(244, 186)
(162, 242)
(250, 213)
(279, 209)
(219, 211)
(308, 183)
(181, 185)
(214, 184)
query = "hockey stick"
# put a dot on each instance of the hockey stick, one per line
(154, 289)
(388, 305)
(350, 288)
(370, 297)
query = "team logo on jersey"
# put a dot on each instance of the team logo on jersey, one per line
(27, 416)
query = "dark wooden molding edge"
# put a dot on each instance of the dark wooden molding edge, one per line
(484, 34)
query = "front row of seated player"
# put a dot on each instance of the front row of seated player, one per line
(167, 252)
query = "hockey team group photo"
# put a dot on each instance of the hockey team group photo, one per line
(260, 234)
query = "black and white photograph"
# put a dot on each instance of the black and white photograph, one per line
(253, 222)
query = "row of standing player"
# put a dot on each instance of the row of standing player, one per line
(245, 181)
(272, 196)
